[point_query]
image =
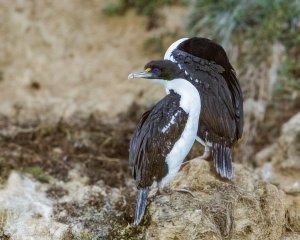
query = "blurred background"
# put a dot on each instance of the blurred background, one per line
(67, 110)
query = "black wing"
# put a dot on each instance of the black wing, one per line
(217, 60)
(206, 65)
(222, 109)
(153, 139)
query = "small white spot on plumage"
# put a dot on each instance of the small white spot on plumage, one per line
(197, 80)
(180, 67)
(186, 73)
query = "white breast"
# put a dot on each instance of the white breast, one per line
(191, 104)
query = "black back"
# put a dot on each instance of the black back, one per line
(221, 97)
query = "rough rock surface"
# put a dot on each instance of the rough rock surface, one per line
(25, 211)
(281, 161)
(280, 165)
(246, 208)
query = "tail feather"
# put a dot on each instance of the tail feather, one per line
(141, 204)
(222, 156)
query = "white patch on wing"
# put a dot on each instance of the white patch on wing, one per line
(171, 49)
(191, 104)
(170, 123)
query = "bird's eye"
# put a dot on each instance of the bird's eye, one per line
(155, 70)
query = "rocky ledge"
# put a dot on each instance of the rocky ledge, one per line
(263, 203)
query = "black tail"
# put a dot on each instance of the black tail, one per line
(223, 160)
(141, 203)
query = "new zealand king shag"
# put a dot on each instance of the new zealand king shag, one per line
(165, 133)
(207, 67)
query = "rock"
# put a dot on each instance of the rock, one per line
(281, 166)
(280, 162)
(293, 214)
(255, 108)
(245, 208)
(26, 212)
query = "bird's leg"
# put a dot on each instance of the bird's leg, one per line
(162, 191)
(183, 190)
(207, 153)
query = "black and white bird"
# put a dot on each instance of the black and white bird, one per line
(207, 67)
(165, 133)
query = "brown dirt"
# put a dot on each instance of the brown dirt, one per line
(101, 148)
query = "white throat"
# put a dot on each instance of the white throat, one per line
(190, 100)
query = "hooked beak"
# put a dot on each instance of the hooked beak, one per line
(143, 74)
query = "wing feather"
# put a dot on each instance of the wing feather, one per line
(222, 118)
(150, 144)
(206, 65)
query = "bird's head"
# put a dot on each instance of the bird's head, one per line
(158, 70)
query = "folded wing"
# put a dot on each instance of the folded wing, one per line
(154, 137)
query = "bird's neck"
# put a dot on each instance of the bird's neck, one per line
(190, 100)
(173, 47)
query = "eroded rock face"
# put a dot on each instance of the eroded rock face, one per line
(246, 208)
(293, 213)
(249, 207)
(26, 212)
(280, 162)
(280, 165)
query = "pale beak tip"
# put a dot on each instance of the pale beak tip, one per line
(131, 76)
